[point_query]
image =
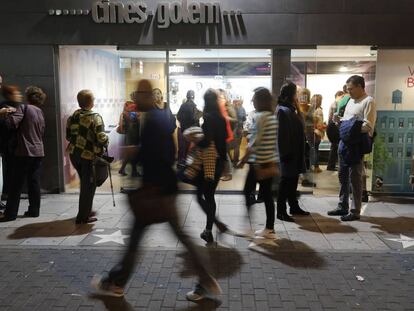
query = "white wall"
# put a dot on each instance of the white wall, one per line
(392, 74)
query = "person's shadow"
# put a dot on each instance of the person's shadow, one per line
(56, 228)
(399, 224)
(295, 254)
(329, 224)
(113, 303)
(222, 262)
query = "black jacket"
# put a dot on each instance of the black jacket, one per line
(6, 133)
(291, 141)
(214, 128)
(188, 115)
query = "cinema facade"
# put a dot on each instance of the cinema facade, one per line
(106, 46)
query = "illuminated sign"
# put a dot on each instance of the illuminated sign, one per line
(166, 14)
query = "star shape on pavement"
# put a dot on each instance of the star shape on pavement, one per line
(406, 241)
(116, 237)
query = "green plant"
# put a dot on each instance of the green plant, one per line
(380, 157)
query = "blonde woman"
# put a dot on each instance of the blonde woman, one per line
(319, 128)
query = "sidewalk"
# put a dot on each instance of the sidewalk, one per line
(380, 226)
(47, 263)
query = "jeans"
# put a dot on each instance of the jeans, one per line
(287, 192)
(87, 186)
(316, 152)
(205, 194)
(353, 174)
(333, 156)
(24, 168)
(266, 191)
(120, 274)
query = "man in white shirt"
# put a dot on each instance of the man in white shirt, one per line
(363, 107)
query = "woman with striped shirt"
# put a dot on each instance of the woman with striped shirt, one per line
(262, 152)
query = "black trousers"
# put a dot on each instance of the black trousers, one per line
(333, 156)
(24, 169)
(87, 186)
(287, 192)
(266, 193)
(6, 162)
(205, 194)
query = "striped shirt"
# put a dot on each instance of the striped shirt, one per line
(263, 140)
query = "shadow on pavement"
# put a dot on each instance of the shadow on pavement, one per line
(57, 228)
(221, 262)
(391, 225)
(295, 254)
(113, 303)
(324, 224)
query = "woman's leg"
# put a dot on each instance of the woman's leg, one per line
(33, 186)
(269, 203)
(250, 188)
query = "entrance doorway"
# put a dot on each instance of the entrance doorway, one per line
(112, 74)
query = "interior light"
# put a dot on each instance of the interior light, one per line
(343, 69)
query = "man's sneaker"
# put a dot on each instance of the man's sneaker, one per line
(266, 233)
(339, 211)
(207, 236)
(350, 217)
(201, 292)
(106, 289)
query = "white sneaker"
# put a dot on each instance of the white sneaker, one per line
(266, 233)
(201, 292)
(106, 289)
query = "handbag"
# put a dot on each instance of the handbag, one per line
(266, 170)
(150, 205)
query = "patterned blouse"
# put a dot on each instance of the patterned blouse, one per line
(85, 131)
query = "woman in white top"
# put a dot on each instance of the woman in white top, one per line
(262, 153)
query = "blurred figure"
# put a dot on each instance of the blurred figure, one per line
(215, 132)
(319, 129)
(160, 188)
(238, 133)
(129, 125)
(188, 115)
(12, 99)
(306, 110)
(230, 118)
(163, 106)
(249, 129)
(332, 132)
(292, 155)
(262, 155)
(85, 132)
(29, 125)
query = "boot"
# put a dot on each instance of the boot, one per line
(282, 214)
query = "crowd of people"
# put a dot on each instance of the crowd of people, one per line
(283, 136)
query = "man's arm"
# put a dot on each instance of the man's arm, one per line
(370, 117)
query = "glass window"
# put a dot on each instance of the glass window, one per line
(392, 123)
